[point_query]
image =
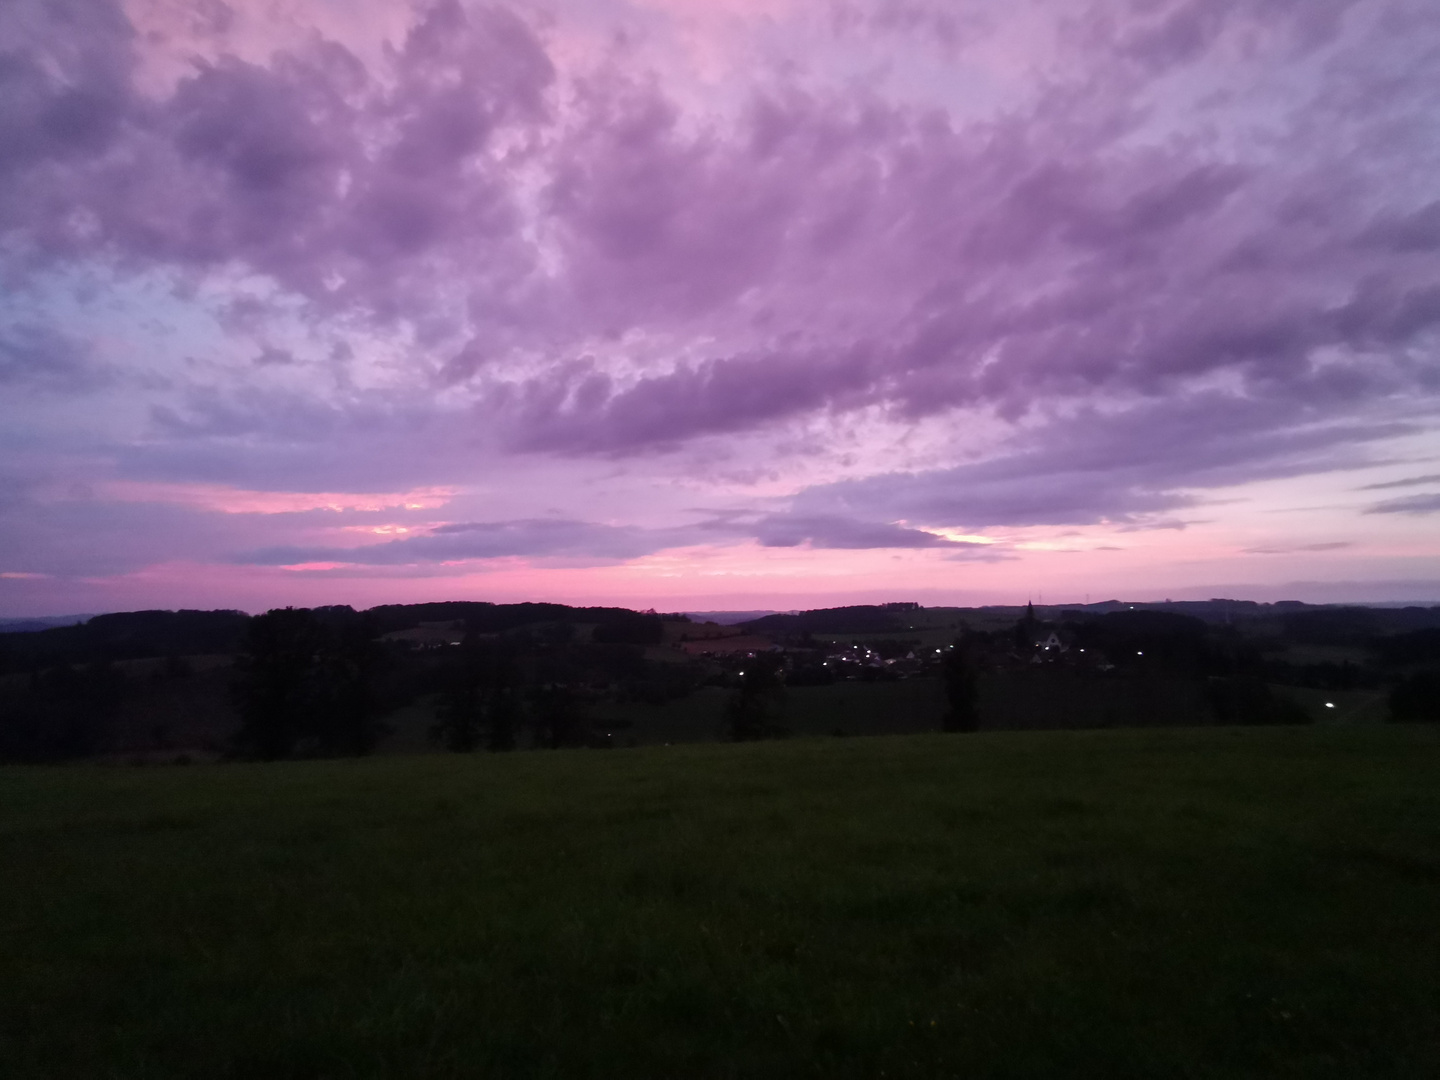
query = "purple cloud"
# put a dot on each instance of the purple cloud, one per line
(1410, 504)
(548, 538)
(1197, 252)
(347, 190)
(858, 252)
(1121, 467)
(484, 540)
(787, 530)
(1293, 549)
(42, 358)
(1409, 481)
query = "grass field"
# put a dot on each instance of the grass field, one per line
(1140, 903)
(907, 707)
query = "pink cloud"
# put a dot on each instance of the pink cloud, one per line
(227, 500)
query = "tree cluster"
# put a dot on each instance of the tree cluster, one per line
(130, 635)
(754, 708)
(307, 683)
(62, 713)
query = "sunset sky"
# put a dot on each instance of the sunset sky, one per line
(702, 304)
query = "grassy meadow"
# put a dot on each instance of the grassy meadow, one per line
(1134, 903)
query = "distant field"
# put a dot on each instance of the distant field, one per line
(1008, 701)
(844, 708)
(1187, 903)
(1344, 706)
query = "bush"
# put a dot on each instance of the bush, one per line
(753, 711)
(962, 690)
(65, 713)
(1417, 699)
(1250, 701)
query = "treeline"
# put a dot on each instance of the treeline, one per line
(320, 681)
(323, 681)
(478, 617)
(855, 619)
(130, 635)
(139, 635)
(61, 713)
(1120, 645)
(1237, 662)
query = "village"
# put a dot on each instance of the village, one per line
(809, 658)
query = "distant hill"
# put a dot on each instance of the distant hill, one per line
(733, 618)
(27, 644)
(856, 619)
(128, 635)
(138, 635)
(43, 622)
(485, 618)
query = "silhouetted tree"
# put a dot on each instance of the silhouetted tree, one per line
(305, 679)
(753, 710)
(344, 705)
(1155, 641)
(506, 710)
(962, 689)
(461, 713)
(1247, 700)
(272, 688)
(64, 713)
(482, 701)
(559, 720)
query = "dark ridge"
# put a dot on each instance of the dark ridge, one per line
(859, 619)
(485, 618)
(128, 635)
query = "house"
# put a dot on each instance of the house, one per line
(1052, 644)
(1047, 646)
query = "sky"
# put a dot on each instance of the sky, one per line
(706, 304)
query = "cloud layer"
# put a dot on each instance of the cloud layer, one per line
(922, 266)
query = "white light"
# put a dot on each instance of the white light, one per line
(1139, 654)
(1329, 704)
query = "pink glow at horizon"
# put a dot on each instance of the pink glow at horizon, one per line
(717, 303)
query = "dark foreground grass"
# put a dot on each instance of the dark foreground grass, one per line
(1122, 904)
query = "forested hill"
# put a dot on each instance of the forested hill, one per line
(1292, 620)
(486, 618)
(857, 619)
(138, 635)
(145, 634)
(128, 635)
